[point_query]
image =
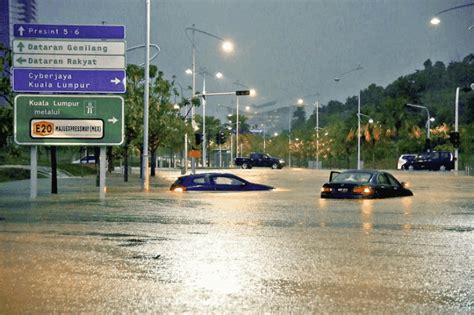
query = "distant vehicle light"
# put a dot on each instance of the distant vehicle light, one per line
(326, 189)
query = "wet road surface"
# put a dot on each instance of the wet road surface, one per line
(256, 252)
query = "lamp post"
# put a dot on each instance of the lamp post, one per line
(218, 75)
(359, 163)
(337, 79)
(456, 129)
(435, 20)
(227, 46)
(146, 175)
(456, 123)
(428, 120)
(158, 50)
(237, 93)
(147, 45)
(316, 109)
(252, 93)
(300, 102)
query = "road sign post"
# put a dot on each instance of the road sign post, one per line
(68, 120)
(49, 58)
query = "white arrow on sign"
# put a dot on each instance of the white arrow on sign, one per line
(116, 81)
(21, 30)
(113, 120)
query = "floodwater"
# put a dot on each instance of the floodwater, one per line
(284, 251)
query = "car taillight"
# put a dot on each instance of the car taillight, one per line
(326, 189)
(365, 190)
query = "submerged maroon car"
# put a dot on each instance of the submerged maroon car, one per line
(367, 184)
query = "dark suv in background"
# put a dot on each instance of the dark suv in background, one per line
(433, 161)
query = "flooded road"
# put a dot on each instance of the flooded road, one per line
(284, 251)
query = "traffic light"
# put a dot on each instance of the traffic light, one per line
(454, 138)
(242, 92)
(220, 137)
(198, 138)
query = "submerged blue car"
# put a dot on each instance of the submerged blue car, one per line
(215, 182)
(363, 184)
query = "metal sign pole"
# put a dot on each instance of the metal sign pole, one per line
(34, 172)
(146, 173)
(102, 168)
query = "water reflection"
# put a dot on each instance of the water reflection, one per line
(240, 253)
(407, 214)
(366, 215)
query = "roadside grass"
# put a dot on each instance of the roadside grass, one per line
(11, 174)
(78, 169)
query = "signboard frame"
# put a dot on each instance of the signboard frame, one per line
(107, 139)
(70, 31)
(69, 47)
(51, 61)
(88, 80)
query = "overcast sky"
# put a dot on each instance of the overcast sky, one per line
(285, 49)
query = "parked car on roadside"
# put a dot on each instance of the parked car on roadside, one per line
(405, 158)
(259, 160)
(90, 159)
(215, 182)
(363, 184)
(433, 161)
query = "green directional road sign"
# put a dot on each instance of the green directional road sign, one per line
(68, 120)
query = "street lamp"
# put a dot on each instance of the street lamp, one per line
(299, 102)
(456, 123)
(337, 79)
(158, 50)
(227, 46)
(218, 75)
(316, 108)
(147, 45)
(435, 20)
(428, 120)
(359, 163)
(237, 93)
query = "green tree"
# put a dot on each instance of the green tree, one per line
(133, 112)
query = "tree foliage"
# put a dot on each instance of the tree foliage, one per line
(396, 129)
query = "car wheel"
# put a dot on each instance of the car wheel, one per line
(442, 168)
(245, 165)
(274, 166)
(410, 168)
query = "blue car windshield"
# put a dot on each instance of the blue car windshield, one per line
(353, 177)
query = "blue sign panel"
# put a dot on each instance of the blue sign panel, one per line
(69, 31)
(68, 80)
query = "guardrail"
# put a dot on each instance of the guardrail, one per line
(469, 170)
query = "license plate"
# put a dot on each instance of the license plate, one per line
(342, 190)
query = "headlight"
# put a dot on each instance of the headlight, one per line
(178, 188)
(326, 189)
